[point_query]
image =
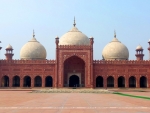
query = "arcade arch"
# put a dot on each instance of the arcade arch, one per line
(48, 81)
(16, 81)
(143, 82)
(132, 82)
(37, 81)
(27, 81)
(110, 81)
(99, 81)
(5, 81)
(121, 81)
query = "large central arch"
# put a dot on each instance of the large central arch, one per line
(74, 66)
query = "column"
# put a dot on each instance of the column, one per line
(115, 82)
(32, 82)
(21, 82)
(10, 81)
(127, 81)
(138, 81)
(105, 82)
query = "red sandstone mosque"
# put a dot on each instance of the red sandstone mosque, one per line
(74, 65)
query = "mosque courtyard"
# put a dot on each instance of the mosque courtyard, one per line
(74, 101)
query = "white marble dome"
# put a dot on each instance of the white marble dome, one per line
(9, 47)
(115, 50)
(139, 47)
(74, 37)
(33, 50)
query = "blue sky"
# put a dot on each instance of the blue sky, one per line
(97, 18)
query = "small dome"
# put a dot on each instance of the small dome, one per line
(139, 47)
(33, 50)
(149, 40)
(115, 50)
(74, 37)
(9, 47)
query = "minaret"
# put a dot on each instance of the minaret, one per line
(139, 53)
(149, 48)
(9, 52)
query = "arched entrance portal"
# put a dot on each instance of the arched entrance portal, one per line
(132, 81)
(121, 81)
(143, 82)
(27, 81)
(110, 81)
(48, 81)
(99, 81)
(74, 66)
(74, 81)
(5, 81)
(37, 81)
(16, 81)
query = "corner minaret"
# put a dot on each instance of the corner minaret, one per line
(9, 52)
(149, 48)
(139, 53)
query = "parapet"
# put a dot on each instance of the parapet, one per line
(28, 61)
(121, 62)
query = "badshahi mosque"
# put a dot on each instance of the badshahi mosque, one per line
(74, 65)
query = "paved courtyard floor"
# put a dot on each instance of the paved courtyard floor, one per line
(23, 101)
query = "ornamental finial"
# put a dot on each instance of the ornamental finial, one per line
(33, 34)
(74, 22)
(114, 33)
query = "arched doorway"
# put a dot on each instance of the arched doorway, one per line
(37, 81)
(27, 81)
(132, 81)
(5, 81)
(121, 81)
(110, 81)
(16, 81)
(74, 81)
(143, 82)
(99, 81)
(74, 66)
(48, 81)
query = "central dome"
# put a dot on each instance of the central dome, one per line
(74, 37)
(33, 50)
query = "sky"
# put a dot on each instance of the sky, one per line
(96, 18)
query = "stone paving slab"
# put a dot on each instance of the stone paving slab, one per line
(27, 102)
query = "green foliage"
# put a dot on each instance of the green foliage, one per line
(142, 97)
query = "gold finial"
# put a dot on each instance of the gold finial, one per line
(74, 22)
(33, 33)
(114, 33)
